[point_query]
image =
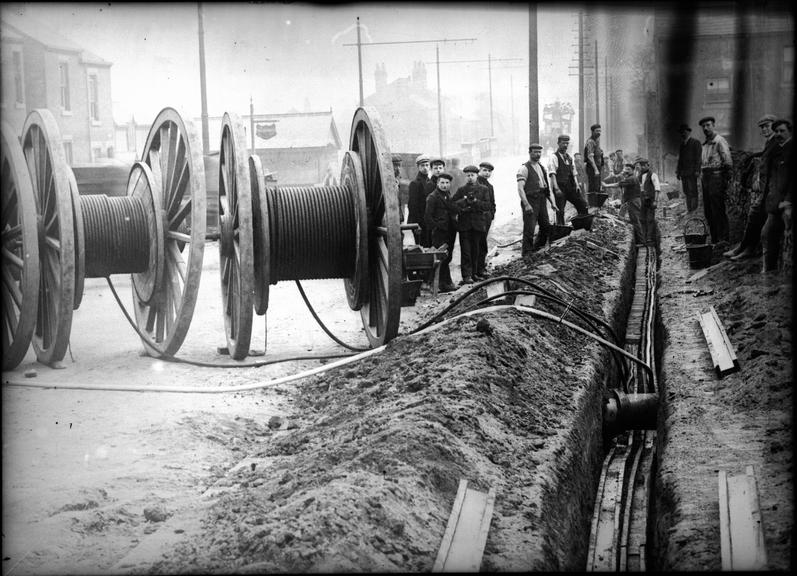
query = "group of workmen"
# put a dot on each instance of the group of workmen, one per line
(771, 189)
(440, 214)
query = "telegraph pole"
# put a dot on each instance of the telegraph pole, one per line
(203, 88)
(512, 112)
(597, 87)
(582, 116)
(437, 42)
(490, 77)
(534, 102)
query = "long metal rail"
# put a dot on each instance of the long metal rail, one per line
(618, 536)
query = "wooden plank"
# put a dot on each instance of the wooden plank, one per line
(466, 533)
(526, 300)
(742, 544)
(711, 347)
(705, 271)
(727, 341)
(496, 288)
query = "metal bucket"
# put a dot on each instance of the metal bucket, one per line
(584, 221)
(699, 255)
(596, 199)
(673, 194)
(558, 231)
(693, 235)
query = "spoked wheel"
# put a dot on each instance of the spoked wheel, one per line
(381, 312)
(20, 250)
(236, 248)
(173, 153)
(44, 153)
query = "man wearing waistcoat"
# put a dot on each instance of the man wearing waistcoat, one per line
(650, 189)
(593, 156)
(564, 181)
(534, 191)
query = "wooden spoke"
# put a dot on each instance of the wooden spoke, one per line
(381, 314)
(236, 242)
(173, 156)
(44, 153)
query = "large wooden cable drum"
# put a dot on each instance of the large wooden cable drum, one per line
(351, 231)
(20, 267)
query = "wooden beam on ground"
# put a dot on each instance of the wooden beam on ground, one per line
(496, 288)
(466, 533)
(742, 544)
(529, 300)
(719, 345)
(705, 271)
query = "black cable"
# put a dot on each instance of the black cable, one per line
(323, 326)
(177, 360)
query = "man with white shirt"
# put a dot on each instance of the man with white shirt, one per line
(716, 168)
(564, 180)
(650, 188)
(534, 191)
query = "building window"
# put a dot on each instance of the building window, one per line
(63, 71)
(94, 105)
(68, 153)
(19, 88)
(788, 65)
(718, 89)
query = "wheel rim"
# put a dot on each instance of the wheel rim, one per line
(80, 243)
(141, 184)
(261, 232)
(381, 313)
(20, 251)
(44, 154)
(236, 260)
(173, 153)
(352, 178)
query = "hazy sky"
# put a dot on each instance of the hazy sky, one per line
(289, 55)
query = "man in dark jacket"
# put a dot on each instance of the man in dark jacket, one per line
(779, 194)
(593, 157)
(688, 169)
(534, 191)
(441, 221)
(756, 213)
(416, 203)
(473, 207)
(485, 171)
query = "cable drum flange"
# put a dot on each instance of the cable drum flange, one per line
(79, 237)
(261, 233)
(142, 185)
(352, 179)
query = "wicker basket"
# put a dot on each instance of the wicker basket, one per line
(692, 235)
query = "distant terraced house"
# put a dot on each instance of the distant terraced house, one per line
(42, 69)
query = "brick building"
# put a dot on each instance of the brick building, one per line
(42, 69)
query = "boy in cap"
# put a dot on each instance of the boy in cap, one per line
(485, 171)
(716, 167)
(564, 180)
(441, 221)
(534, 191)
(438, 166)
(688, 169)
(416, 202)
(473, 206)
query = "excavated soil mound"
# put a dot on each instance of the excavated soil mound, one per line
(366, 480)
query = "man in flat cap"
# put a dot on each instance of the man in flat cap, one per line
(416, 202)
(564, 180)
(779, 194)
(534, 191)
(441, 221)
(473, 206)
(756, 214)
(593, 157)
(485, 171)
(690, 153)
(716, 173)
